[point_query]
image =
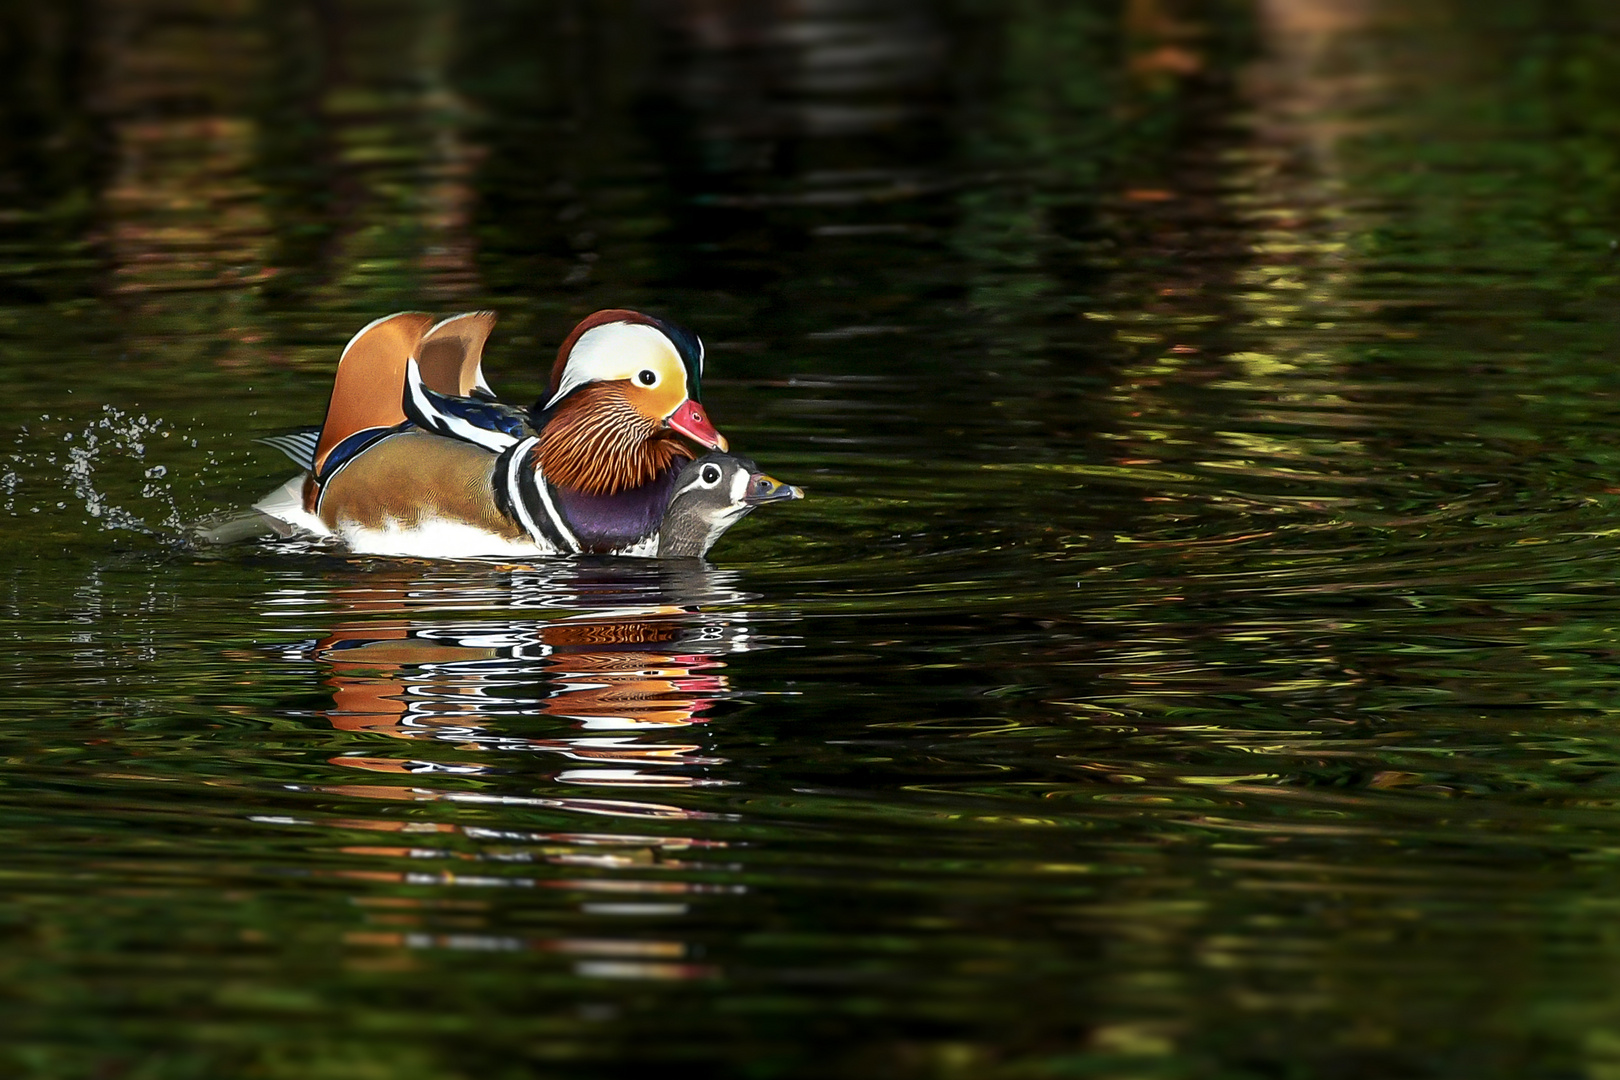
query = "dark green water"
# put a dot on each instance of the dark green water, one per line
(1199, 655)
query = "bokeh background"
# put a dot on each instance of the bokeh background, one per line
(1196, 656)
(252, 178)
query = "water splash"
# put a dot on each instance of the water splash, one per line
(91, 466)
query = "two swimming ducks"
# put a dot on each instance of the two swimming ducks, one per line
(417, 457)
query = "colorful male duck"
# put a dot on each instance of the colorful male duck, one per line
(416, 458)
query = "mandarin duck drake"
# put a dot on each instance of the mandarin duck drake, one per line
(416, 457)
(711, 495)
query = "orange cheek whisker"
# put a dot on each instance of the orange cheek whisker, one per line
(600, 444)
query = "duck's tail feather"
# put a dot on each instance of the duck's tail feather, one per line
(298, 445)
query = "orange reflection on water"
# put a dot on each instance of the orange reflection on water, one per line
(615, 674)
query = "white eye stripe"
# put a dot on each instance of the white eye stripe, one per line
(698, 483)
(739, 483)
(615, 351)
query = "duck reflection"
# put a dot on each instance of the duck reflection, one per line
(601, 676)
(643, 662)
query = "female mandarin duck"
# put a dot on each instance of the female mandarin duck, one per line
(712, 494)
(416, 458)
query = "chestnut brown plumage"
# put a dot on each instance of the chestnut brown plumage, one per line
(599, 444)
(374, 357)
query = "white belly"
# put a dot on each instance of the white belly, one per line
(435, 540)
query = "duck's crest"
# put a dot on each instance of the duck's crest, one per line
(591, 322)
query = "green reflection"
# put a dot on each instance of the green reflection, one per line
(1195, 659)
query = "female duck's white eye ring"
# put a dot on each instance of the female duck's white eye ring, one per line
(711, 474)
(647, 377)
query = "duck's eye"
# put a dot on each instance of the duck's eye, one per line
(647, 377)
(711, 474)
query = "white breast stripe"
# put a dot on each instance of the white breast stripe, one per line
(514, 494)
(526, 488)
(556, 518)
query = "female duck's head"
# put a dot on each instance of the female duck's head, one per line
(711, 495)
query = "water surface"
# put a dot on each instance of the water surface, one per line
(1194, 658)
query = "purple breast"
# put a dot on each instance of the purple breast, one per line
(606, 523)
